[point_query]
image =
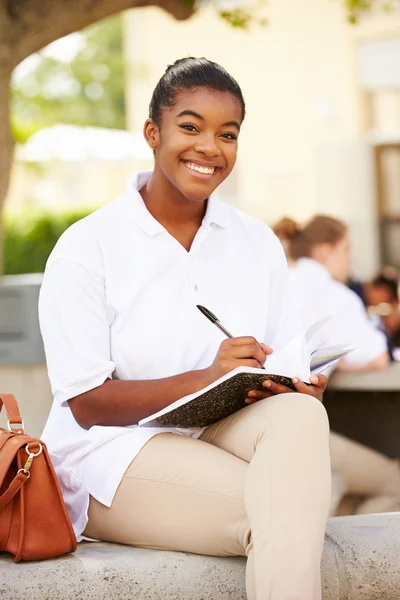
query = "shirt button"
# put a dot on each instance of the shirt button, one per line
(196, 289)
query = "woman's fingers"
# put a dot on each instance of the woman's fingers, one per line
(271, 389)
(316, 389)
(256, 395)
(267, 349)
(300, 386)
(276, 388)
(244, 351)
(319, 380)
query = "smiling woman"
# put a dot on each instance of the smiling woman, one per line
(124, 339)
(194, 124)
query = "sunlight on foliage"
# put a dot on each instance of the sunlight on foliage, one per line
(246, 16)
(87, 90)
(355, 9)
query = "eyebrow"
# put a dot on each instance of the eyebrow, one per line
(192, 113)
(232, 124)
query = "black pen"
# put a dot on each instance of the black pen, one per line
(207, 313)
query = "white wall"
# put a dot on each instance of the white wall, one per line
(346, 189)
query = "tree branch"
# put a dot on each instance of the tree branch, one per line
(40, 22)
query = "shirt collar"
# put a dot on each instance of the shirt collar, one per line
(142, 216)
(218, 212)
(314, 267)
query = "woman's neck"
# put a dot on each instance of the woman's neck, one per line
(181, 217)
(169, 206)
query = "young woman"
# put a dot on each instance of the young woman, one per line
(320, 256)
(124, 339)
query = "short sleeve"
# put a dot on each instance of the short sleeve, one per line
(358, 331)
(75, 326)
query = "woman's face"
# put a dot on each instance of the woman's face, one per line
(197, 142)
(336, 258)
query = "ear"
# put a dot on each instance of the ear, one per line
(151, 133)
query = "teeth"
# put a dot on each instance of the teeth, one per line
(199, 169)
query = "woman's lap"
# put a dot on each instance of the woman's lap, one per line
(179, 493)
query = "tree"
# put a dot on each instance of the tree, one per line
(88, 90)
(26, 26)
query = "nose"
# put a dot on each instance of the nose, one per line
(207, 145)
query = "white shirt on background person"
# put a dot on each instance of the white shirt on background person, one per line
(118, 300)
(320, 296)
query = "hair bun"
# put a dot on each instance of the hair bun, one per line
(286, 229)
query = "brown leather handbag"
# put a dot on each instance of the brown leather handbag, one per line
(34, 523)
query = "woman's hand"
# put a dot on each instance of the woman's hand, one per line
(319, 383)
(237, 352)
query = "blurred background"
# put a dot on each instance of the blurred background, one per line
(321, 79)
(322, 132)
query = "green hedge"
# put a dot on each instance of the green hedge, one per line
(28, 241)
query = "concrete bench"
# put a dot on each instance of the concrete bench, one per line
(361, 562)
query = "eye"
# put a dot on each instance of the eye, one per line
(229, 136)
(188, 127)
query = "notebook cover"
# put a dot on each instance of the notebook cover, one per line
(218, 403)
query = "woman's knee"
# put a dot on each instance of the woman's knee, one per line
(300, 410)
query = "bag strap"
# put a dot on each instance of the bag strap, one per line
(15, 422)
(21, 477)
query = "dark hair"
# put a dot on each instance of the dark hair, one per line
(300, 241)
(388, 277)
(189, 73)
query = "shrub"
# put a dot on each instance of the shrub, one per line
(28, 241)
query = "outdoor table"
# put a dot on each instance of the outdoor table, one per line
(366, 407)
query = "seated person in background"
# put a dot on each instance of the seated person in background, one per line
(381, 300)
(319, 254)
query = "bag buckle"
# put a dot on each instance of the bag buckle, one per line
(25, 472)
(14, 427)
(31, 456)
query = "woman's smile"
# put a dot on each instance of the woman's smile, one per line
(199, 170)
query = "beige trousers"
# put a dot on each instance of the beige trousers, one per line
(256, 484)
(359, 471)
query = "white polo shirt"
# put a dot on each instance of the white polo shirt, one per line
(118, 300)
(320, 296)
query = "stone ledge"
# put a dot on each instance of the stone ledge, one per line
(368, 381)
(361, 562)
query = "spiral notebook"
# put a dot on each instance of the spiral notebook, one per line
(227, 395)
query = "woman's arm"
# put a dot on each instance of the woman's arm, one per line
(370, 345)
(377, 364)
(121, 403)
